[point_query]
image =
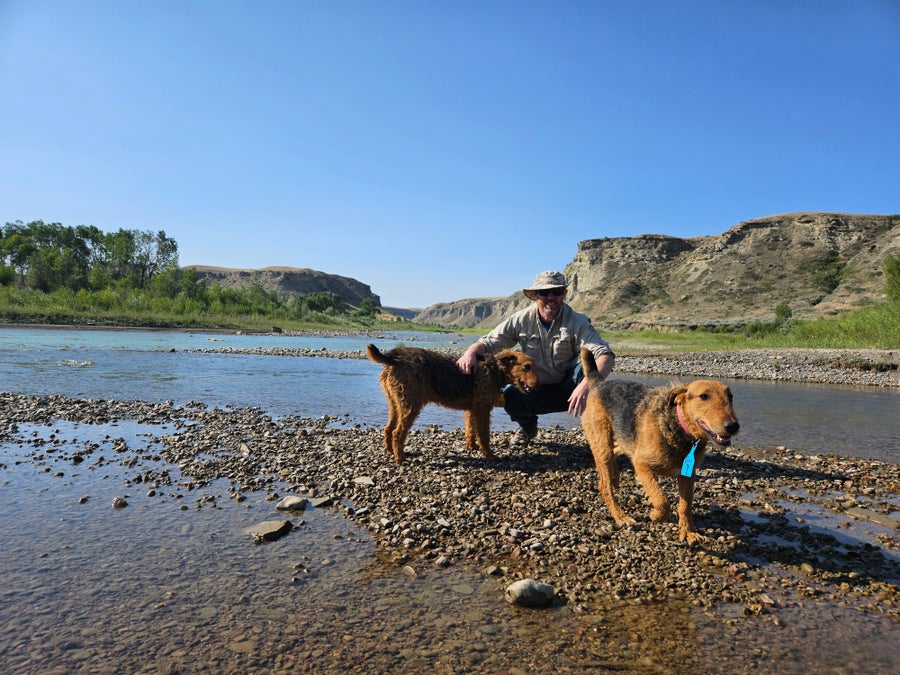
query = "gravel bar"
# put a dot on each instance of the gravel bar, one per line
(792, 537)
(538, 513)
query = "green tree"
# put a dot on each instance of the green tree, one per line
(367, 308)
(17, 248)
(324, 301)
(7, 275)
(153, 253)
(94, 242)
(120, 249)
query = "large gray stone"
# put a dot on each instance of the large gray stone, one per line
(292, 503)
(270, 530)
(530, 593)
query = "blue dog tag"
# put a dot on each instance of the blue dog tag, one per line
(687, 467)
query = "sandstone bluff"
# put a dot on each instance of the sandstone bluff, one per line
(288, 280)
(816, 264)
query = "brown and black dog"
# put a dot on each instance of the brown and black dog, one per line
(413, 377)
(663, 430)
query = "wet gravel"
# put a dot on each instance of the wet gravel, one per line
(538, 513)
(792, 537)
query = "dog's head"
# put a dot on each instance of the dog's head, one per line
(518, 369)
(705, 407)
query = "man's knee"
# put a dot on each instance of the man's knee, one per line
(518, 405)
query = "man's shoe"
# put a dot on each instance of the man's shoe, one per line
(522, 438)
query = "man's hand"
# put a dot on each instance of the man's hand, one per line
(578, 398)
(469, 359)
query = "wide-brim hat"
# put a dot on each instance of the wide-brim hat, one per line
(545, 281)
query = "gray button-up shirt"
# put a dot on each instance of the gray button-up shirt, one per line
(555, 350)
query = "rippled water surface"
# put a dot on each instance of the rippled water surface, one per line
(173, 583)
(863, 422)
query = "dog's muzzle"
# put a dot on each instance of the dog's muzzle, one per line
(731, 428)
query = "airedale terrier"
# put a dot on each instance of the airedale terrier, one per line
(663, 430)
(414, 377)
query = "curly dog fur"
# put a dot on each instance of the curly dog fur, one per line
(414, 377)
(656, 428)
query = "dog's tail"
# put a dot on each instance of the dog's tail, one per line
(377, 356)
(589, 366)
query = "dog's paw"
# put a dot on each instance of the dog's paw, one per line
(692, 538)
(658, 515)
(625, 521)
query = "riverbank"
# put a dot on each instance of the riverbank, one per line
(848, 367)
(792, 537)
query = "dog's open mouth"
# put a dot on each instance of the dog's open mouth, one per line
(722, 439)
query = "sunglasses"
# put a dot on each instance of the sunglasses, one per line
(555, 292)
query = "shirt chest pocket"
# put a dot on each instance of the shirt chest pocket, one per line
(530, 344)
(563, 347)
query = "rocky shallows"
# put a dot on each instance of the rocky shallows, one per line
(784, 529)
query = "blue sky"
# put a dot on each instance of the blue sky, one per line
(441, 150)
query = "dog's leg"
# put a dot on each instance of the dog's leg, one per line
(608, 472)
(661, 507)
(686, 530)
(480, 418)
(598, 431)
(406, 418)
(613, 469)
(393, 418)
(471, 432)
(389, 431)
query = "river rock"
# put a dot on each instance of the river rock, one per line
(270, 530)
(292, 503)
(873, 517)
(530, 593)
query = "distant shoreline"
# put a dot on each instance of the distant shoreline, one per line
(846, 367)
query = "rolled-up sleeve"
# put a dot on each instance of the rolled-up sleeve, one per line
(590, 339)
(504, 336)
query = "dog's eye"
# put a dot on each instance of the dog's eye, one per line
(704, 397)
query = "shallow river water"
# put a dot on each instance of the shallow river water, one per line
(126, 365)
(175, 584)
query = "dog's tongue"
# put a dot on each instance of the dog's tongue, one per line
(721, 440)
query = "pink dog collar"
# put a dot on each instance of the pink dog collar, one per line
(682, 422)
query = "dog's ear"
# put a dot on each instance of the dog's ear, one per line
(675, 396)
(508, 359)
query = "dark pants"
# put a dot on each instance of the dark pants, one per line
(547, 398)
